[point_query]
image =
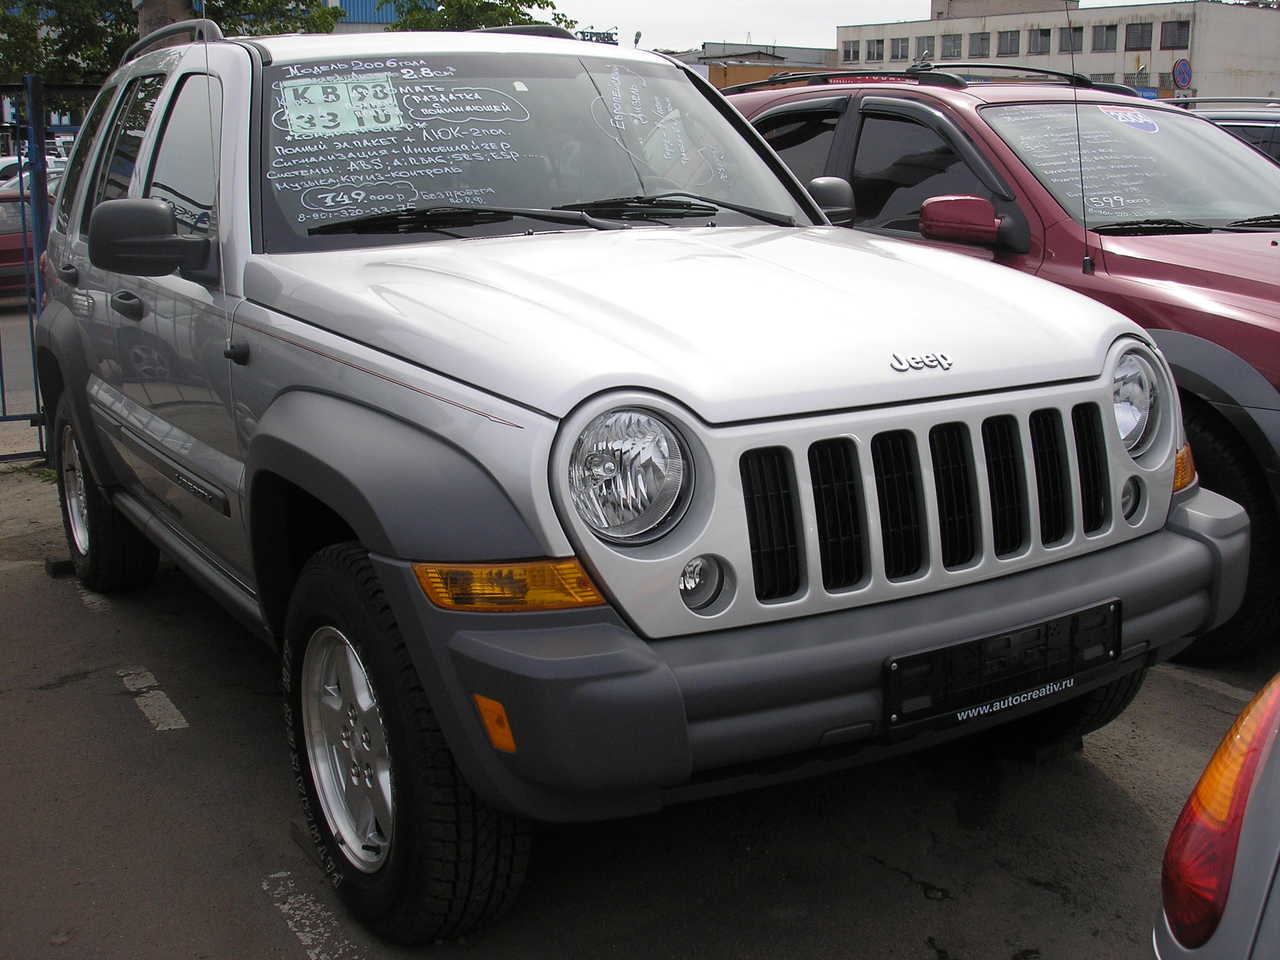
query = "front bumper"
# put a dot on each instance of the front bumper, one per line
(609, 724)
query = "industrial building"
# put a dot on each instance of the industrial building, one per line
(1233, 49)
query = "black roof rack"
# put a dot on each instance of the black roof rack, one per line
(199, 30)
(825, 77)
(531, 30)
(1072, 79)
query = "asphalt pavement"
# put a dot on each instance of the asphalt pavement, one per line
(149, 812)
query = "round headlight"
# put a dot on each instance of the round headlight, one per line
(629, 476)
(1135, 400)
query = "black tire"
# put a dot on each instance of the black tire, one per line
(1082, 715)
(452, 863)
(1226, 467)
(110, 554)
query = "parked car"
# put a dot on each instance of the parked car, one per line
(1221, 876)
(504, 382)
(9, 166)
(1255, 120)
(991, 168)
(14, 237)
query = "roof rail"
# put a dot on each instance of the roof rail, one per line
(829, 76)
(531, 30)
(1072, 79)
(199, 30)
(1180, 101)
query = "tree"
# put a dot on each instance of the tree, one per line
(473, 14)
(81, 41)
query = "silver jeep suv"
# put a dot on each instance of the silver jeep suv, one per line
(576, 464)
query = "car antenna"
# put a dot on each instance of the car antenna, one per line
(1086, 265)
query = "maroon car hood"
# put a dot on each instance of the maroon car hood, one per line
(1239, 266)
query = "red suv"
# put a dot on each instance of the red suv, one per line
(1169, 219)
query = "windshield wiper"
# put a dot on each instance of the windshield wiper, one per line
(1266, 220)
(668, 201)
(1153, 225)
(643, 208)
(412, 219)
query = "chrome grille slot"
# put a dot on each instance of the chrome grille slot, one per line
(1053, 489)
(901, 502)
(1007, 484)
(957, 493)
(837, 501)
(769, 492)
(1091, 454)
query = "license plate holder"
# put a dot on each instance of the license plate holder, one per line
(976, 678)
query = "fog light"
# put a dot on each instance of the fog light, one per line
(700, 582)
(1131, 498)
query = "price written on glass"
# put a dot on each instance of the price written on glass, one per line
(333, 106)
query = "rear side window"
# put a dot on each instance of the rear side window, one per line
(803, 140)
(120, 155)
(900, 164)
(80, 154)
(184, 173)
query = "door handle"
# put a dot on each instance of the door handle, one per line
(129, 304)
(68, 273)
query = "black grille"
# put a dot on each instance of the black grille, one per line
(768, 488)
(901, 508)
(1048, 451)
(1091, 452)
(837, 497)
(1006, 483)
(957, 500)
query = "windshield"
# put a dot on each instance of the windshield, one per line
(1139, 164)
(359, 138)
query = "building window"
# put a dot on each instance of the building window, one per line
(1140, 79)
(1039, 41)
(1070, 39)
(924, 48)
(1175, 35)
(875, 50)
(1137, 36)
(1104, 38)
(899, 48)
(850, 52)
(1007, 43)
(979, 44)
(951, 46)
(1102, 77)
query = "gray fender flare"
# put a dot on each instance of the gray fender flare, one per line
(1234, 388)
(405, 492)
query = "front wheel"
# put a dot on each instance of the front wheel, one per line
(410, 848)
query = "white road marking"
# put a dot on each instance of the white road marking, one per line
(1239, 694)
(152, 701)
(315, 926)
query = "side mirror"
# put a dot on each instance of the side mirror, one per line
(140, 237)
(960, 219)
(835, 196)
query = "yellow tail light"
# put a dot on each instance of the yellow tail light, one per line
(1184, 469)
(508, 587)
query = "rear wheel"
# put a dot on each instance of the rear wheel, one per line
(108, 551)
(1225, 467)
(410, 848)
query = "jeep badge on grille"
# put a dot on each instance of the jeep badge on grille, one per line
(919, 361)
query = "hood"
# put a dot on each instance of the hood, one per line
(1242, 266)
(737, 323)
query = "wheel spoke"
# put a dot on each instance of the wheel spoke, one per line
(380, 797)
(332, 716)
(351, 678)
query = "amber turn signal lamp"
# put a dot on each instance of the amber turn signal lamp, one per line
(506, 588)
(1184, 468)
(1201, 856)
(494, 716)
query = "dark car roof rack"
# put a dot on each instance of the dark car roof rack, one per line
(199, 30)
(824, 77)
(530, 30)
(933, 74)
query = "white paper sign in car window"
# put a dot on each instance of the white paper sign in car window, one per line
(347, 105)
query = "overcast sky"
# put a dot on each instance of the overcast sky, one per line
(682, 24)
